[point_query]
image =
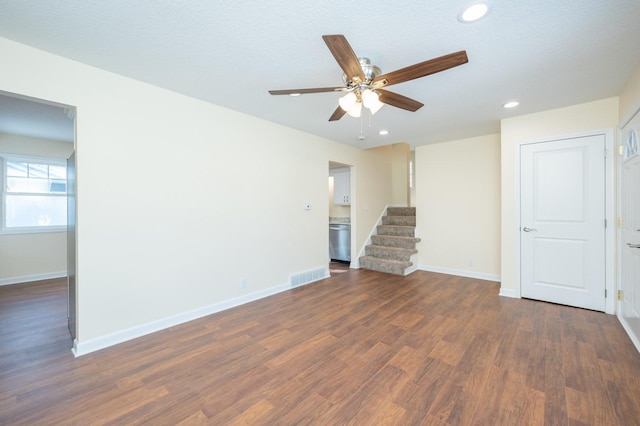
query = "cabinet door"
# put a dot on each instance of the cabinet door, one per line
(341, 188)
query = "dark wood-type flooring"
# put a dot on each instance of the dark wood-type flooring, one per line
(360, 348)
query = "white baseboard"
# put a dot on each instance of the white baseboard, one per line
(31, 278)
(411, 269)
(630, 333)
(508, 292)
(92, 345)
(460, 273)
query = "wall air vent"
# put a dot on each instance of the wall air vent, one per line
(307, 277)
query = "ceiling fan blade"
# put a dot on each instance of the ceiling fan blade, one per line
(337, 114)
(345, 56)
(399, 101)
(422, 69)
(303, 91)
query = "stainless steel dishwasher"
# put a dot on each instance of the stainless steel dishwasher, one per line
(340, 241)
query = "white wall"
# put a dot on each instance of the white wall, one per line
(630, 97)
(34, 256)
(24, 145)
(180, 200)
(597, 115)
(412, 189)
(400, 173)
(458, 206)
(373, 183)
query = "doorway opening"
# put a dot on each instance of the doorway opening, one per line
(340, 223)
(36, 139)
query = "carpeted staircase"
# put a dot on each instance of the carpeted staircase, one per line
(391, 249)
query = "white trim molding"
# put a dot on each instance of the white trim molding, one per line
(508, 292)
(461, 273)
(619, 247)
(629, 331)
(31, 278)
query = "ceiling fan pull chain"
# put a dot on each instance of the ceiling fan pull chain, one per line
(361, 137)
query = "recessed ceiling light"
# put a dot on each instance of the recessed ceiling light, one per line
(473, 12)
(383, 132)
(511, 104)
(295, 94)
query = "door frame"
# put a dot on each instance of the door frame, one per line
(72, 285)
(619, 246)
(610, 231)
(354, 263)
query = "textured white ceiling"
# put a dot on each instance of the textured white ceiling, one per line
(544, 53)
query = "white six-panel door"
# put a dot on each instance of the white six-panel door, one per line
(562, 221)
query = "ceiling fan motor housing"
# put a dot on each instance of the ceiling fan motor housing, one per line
(370, 73)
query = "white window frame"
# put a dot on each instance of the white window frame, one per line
(3, 192)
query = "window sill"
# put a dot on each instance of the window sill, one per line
(34, 230)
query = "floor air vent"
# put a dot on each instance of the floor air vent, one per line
(307, 277)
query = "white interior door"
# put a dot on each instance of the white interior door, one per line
(629, 308)
(562, 221)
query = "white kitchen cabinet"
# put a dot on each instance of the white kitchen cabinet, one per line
(341, 187)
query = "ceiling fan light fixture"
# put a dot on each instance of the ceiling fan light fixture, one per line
(371, 100)
(355, 110)
(375, 108)
(348, 101)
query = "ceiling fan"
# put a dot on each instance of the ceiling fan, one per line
(364, 83)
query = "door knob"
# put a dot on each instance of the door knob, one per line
(527, 229)
(633, 245)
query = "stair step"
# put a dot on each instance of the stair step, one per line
(394, 253)
(394, 244)
(398, 230)
(394, 241)
(399, 220)
(401, 211)
(389, 266)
